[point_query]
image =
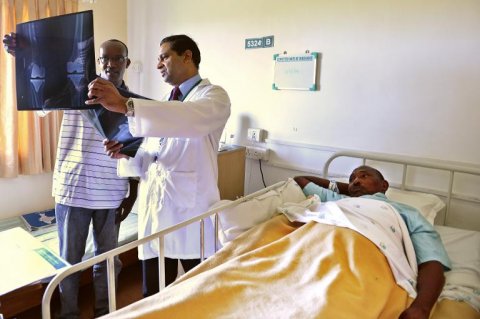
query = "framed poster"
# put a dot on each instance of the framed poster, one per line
(295, 72)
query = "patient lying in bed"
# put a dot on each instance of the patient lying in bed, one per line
(368, 184)
(288, 269)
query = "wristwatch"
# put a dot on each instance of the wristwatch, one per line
(130, 108)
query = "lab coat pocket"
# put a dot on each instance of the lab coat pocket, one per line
(181, 189)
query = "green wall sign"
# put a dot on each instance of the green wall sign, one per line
(257, 43)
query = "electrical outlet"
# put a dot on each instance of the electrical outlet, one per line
(258, 153)
(255, 134)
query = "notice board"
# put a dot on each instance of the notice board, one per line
(295, 71)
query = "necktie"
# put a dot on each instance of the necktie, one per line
(175, 95)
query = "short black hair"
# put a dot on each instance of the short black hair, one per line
(118, 41)
(181, 43)
(371, 169)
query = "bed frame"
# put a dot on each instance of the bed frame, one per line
(407, 163)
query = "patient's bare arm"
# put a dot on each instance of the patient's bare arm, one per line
(302, 181)
(430, 282)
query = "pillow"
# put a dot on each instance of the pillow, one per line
(290, 192)
(236, 220)
(427, 204)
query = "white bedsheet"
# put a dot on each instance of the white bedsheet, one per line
(463, 281)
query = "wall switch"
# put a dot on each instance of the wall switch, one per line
(255, 134)
(258, 153)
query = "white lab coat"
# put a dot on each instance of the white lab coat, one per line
(182, 182)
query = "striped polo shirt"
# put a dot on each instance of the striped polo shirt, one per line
(84, 175)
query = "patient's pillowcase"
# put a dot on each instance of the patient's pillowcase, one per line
(236, 220)
(427, 204)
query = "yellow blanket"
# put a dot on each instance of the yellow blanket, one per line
(286, 270)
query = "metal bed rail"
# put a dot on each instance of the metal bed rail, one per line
(110, 255)
(407, 161)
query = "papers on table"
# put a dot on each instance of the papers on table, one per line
(25, 260)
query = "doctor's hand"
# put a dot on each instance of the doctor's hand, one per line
(101, 91)
(10, 43)
(112, 148)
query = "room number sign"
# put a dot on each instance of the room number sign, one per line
(257, 43)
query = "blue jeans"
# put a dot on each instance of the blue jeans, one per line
(73, 225)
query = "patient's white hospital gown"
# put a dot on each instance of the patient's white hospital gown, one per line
(400, 231)
(376, 220)
(425, 239)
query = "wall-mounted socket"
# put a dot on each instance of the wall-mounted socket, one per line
(258, 153)
(255, 134)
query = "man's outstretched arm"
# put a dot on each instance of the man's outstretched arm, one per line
(302, 181)
(430, 283)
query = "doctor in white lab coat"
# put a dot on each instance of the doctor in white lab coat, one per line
(177, 162)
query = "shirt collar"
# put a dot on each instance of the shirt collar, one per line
(186, 86)
(379, 194)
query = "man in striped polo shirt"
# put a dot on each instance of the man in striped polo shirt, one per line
(87, 188)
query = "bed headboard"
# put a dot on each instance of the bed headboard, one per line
(458, 184)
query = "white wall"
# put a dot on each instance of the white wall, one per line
(25, 194)
(396, 76)
(109, 19)
(30, 193)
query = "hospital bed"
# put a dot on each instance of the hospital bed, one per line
(267, 266)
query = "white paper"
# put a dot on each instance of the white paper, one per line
(25, 260)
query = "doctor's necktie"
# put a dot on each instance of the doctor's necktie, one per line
(175, 95)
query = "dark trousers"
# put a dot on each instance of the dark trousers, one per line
(150, 272)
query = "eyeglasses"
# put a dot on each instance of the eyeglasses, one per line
(113, 59)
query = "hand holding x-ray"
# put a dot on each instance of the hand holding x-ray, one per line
(114, 126)
(113, 148)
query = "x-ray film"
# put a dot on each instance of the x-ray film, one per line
(55, 61)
